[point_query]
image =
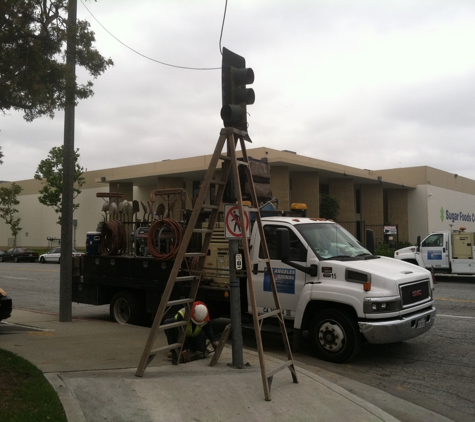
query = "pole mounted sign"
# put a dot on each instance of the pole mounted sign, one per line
(235, 226)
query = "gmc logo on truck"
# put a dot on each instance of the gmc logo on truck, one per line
(416, 293)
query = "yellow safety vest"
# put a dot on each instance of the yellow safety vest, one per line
(189, 330)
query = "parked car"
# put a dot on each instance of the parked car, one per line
(54, 255)
(19, 254)
(5, 305)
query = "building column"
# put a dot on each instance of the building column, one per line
(306, 190)
(280, 186)
(344, 190)
(372, 210)
(397, 209)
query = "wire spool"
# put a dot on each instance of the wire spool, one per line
(113, 238)
(153, 240)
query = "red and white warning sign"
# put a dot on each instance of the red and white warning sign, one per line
(234, 224)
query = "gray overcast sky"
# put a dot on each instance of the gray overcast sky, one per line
(366, 83)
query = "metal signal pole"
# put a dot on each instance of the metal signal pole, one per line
(66, 269)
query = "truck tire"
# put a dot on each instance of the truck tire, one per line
(334, 336)
(125, 308)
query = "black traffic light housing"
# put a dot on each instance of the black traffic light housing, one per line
(235, 77)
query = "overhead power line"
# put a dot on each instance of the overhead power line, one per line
(150, 58)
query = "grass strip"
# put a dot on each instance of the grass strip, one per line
(25, 394)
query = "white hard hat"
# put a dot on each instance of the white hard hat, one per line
(199, 314)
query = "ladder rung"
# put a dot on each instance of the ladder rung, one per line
(202, 231)
(224, 157)
(185, 278)
(260, 260)
(173, 325)
(217, 182)
(167, 347)
(194, 254)
(180, 301)
(209, 206)
(279, 368)
(269, 314)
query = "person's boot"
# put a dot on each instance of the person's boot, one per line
(174, 357)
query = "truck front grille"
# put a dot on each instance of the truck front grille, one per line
(415, 293)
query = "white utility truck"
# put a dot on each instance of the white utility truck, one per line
(445, 252)
(328, 285)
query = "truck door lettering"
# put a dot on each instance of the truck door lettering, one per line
(284, 280)
(285, 312)
(437, 255)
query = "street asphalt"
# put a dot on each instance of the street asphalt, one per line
(92, 364)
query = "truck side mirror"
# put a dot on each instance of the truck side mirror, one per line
(283, 242)
(418, 243)
(370, 240)
(283, 253)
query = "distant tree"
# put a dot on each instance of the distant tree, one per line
(50, 172)
(33, 56)
(8, 202)
(329, 207)
(1, 156)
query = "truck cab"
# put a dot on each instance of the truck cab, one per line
(444, 252)
(431, 253)
(330, 285)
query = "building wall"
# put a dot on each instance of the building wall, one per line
(344, 190)
(306, 190)
(372, 210)
(126, 189)
(38, 222)
(417, 213)
(280, 185)
(419, 199)
(432, 208)
(398, 212)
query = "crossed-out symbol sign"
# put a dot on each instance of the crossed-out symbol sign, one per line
(234, 223)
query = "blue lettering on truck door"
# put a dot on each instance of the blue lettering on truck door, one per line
(434, 255)
(284, 279)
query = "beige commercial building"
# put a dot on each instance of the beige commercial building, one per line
(398, 204)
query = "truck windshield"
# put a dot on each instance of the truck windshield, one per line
(331, 241)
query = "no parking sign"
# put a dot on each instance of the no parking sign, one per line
(234, 224)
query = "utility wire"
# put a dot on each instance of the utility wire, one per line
(222, 27)
(149, 58)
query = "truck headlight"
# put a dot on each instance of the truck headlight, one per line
(381, 305)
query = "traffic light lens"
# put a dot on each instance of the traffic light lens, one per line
(243, 76)
(245, 96)
(231, 113)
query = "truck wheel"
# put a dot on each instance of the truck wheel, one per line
(334, 336)
(125, 308)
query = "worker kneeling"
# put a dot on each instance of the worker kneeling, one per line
(197, 331)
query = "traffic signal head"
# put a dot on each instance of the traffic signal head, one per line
(235, 77)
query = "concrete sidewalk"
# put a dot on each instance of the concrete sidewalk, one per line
(92, 365)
